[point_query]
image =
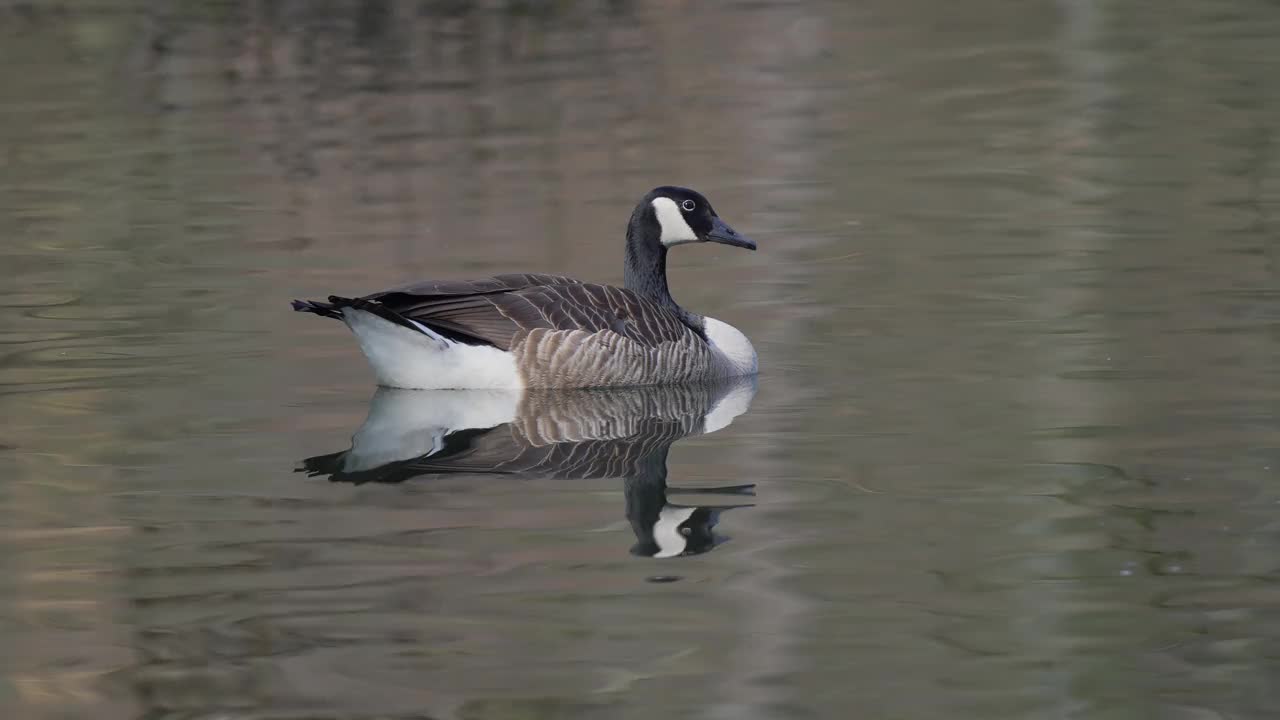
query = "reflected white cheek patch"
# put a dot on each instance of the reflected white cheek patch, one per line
(675, 230)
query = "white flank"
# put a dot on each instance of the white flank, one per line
(666, 532)
(733, 347)
(730, 405)
(675, 229)
(403, 358)
(404, 424)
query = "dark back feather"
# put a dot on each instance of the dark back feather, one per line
(496, 284)
(500, 311)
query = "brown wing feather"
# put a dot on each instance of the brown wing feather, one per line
(499, 283)
(464, 308)
(501, 310)
(592, 308)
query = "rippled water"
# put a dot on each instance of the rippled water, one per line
(1015, 446)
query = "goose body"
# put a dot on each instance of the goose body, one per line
(549, 331)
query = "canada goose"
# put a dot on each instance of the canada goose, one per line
(565, 434)
(531, 330)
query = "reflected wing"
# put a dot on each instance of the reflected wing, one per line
(498, 451)
(552, 433)
(505, 452)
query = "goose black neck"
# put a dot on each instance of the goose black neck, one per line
(645, 271)
(645, 493)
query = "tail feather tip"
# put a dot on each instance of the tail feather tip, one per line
(318, 308)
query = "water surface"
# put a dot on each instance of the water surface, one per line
(1016, 439)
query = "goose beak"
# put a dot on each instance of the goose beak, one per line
(725, 235)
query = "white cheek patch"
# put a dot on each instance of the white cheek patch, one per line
(675, 230)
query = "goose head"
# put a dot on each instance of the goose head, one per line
(668, 216)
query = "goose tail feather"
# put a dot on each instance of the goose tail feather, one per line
(319, 308)
(333, 309)
(379, 310)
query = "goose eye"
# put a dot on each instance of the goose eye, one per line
(688, 205)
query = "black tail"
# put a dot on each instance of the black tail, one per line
(322, 309)
(333, 309)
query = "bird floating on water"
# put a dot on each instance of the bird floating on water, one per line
(549, 331)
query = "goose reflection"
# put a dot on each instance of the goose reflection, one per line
(569, 434)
